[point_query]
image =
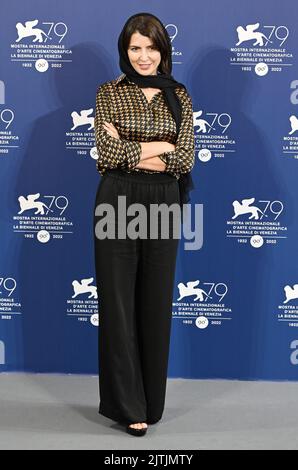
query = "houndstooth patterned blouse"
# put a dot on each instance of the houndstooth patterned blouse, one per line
(124, 104)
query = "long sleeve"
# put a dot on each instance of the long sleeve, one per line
(182, 159)
(112, 152)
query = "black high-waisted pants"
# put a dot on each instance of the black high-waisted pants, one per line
(135, 280)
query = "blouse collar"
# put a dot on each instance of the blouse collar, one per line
(122, 77)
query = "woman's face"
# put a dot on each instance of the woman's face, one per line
(141, 51)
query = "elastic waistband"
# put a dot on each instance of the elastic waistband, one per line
(140, 177)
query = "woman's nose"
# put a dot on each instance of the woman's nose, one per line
(144, 56)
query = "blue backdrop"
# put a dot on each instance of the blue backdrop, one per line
(235, 303)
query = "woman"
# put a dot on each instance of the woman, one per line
(145, 141)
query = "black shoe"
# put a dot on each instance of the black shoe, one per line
(136, 432)
(153, 421)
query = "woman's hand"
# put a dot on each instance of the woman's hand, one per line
(171, 147)
(152, 163)
(111, 129)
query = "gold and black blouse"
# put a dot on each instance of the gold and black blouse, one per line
(124, 104)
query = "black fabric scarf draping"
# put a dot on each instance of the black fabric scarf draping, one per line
(165, 82)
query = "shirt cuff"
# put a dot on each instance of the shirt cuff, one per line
(170, 159)
(133, 151)
(163, 157)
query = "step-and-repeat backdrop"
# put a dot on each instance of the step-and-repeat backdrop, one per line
(235, 300)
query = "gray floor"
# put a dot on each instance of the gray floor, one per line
(53, 411)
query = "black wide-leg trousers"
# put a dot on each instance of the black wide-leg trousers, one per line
(135, 280)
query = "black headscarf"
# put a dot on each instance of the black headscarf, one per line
(165, 82)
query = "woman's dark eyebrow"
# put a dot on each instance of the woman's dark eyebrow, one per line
(139, 46)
